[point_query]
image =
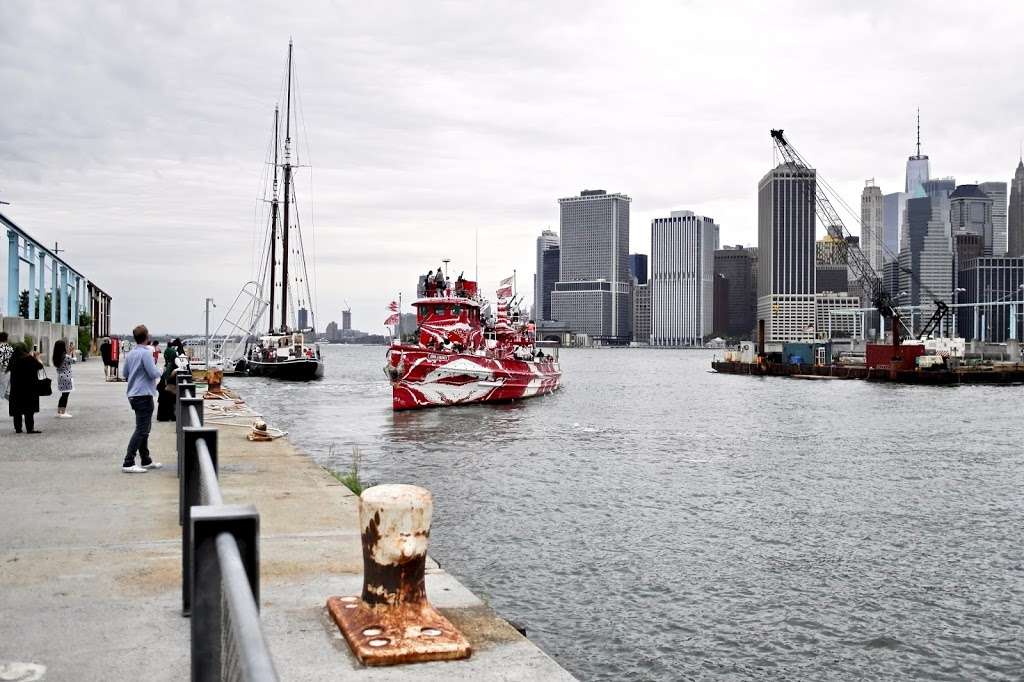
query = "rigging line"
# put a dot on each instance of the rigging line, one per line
(303, 143)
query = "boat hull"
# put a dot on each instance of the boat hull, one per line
(422, 378)
(300, 369)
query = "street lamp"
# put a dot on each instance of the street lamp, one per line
(956, 296)
(209, 302)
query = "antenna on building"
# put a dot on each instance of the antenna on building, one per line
(919, 131)
(57, 251)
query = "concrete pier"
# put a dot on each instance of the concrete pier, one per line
(90, 558)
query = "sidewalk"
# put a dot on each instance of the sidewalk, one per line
(90, 577)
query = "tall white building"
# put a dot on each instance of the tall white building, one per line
(872, 225)
(997, 190)
(786, 253)
(927, 254)
(682, 279)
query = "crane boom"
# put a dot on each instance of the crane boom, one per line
(874, 289)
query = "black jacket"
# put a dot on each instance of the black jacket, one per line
(24, 394)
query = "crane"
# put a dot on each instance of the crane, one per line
(870, 281)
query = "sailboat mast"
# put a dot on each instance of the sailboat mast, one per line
(287, 192)
(273, 226)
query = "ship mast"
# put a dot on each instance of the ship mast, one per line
(287, 193)
(273, 226)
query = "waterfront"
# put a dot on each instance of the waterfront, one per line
(656, 521)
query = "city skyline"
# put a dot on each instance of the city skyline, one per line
(415, 144)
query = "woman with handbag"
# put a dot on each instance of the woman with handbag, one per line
(26, 386)
(62, 361)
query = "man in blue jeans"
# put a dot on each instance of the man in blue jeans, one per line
(141, 373)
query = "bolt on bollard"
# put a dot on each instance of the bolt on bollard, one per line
(392, 621)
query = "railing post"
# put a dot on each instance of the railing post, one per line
(186, 389)
(207, 522)
(190, 494)
(184, 422)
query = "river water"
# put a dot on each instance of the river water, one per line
(653, 520)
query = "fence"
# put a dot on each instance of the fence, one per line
(220, 587)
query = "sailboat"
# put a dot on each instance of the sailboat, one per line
(283, 352)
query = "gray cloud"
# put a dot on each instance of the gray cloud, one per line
(137, 133)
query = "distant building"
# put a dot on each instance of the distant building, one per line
(682, 279)
(1015, 213)
(917, 165)
(786, 256)
(831, 325)
(966, 247)
(638, 267)
(970, 210)
(720, 315)
(939, 190)
(642, 313)
(926, 254)
(346, 319)
(831, 267)
(989, 280)
(738, 265)
(332, 331)
(547, 274)
(592, 295)
(303, 318)
(872, 225)
(893, 206)
(997, 192)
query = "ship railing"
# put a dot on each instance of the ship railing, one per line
(220, 588)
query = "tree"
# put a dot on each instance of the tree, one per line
(23, 304)
(84, 333)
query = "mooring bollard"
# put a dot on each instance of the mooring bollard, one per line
(392, 621)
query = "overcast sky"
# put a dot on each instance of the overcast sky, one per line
(135, 133)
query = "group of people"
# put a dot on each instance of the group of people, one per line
(438, 284)
(23, 380)
(110, 352)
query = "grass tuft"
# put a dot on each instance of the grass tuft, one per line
(350, 479)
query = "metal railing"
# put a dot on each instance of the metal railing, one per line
(220, 587)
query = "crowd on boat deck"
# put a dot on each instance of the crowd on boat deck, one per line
(438, 284)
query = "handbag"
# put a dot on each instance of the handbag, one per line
(43, 384)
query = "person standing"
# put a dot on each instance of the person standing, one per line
(62, 361)
(24, 401)
(105, 354)
(156, 351)
(141, 374)
(115, 359)
(6, 353)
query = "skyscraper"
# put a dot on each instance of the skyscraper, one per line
(1015, 222)
(786, 273)
(872, 225)
(988, 280)
(738, 266)
(893, 206)
(346, 319)
(831, 265)
(997, 191)
(939, 190)
(642, 313)
(970, 210)
(547, 274)
(917, 165)
(638, 267)
(592, 295)
(926, 254)
(682, 279)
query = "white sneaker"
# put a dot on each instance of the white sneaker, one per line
(153, 465)
(64, 415)
(133, 469)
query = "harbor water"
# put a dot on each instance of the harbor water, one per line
(653, 520)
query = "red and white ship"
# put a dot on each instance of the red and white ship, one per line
(457, 358)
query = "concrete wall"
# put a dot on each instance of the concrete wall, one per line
(43, 334)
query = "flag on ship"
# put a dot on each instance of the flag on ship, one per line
(392, 319)
(505, 288)
(393, 306)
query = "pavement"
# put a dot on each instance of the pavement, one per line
(90, 558)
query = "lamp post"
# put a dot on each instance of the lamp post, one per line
(209, 302)
(956, 296)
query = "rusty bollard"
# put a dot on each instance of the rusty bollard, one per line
(392, 621)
